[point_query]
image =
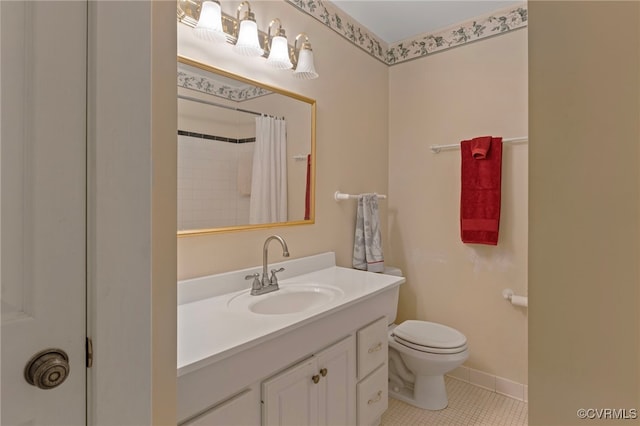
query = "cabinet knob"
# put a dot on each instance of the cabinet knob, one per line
(324, 372)
(315, 378)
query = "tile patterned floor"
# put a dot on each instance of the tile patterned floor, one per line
(468, 405)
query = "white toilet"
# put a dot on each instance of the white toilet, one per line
(420, 354)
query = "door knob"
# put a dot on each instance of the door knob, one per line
(47, 369)
(315, 379)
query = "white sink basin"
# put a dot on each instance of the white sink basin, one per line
(290, 299)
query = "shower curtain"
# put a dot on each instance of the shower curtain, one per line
(269, 177)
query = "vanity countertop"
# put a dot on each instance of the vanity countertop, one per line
(210, 330)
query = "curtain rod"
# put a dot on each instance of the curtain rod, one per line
(437, 148)
(189, 98)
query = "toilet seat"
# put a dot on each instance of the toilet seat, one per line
(428, 349)
(430, 337)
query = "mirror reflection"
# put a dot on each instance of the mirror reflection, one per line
(245, 152)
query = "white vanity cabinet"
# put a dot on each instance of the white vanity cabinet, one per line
(236, 366)
(318, 391)
(322, 389)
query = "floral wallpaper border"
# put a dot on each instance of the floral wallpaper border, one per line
(211, 87)
(334, 18)
(498, 22)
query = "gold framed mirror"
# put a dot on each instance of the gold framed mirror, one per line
(246, 153)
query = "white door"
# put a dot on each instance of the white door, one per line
(43, 210)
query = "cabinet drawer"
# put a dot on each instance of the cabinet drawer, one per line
(372, 347)
(373, 398)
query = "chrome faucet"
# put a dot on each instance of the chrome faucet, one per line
(267, 284)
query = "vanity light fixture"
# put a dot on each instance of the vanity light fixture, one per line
(247, 43)
(279, 48)
(212, 24)
(305, 68)
(209, 26)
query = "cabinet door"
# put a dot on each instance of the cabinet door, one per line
(336, 366)
(291, 397)
(241, 410)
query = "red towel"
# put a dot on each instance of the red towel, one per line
(480, 190)
(307, 194)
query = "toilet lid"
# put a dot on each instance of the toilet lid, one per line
(428, 349)
(429, 334)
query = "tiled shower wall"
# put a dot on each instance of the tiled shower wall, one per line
(208, 191)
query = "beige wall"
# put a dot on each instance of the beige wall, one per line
(352, 110)
(474, 90)
(584, 210)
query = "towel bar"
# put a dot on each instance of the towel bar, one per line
(341, 196)
(509, 295)
(437, 148)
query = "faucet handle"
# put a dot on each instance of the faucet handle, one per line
(274, 279)
(256, 285)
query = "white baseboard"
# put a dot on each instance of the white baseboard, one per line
(491, 382)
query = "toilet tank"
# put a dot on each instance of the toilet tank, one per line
(392, 309)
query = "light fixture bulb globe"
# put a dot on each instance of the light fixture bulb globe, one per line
(279, 54)
(209, 26)
(248, 43)
(305, 69)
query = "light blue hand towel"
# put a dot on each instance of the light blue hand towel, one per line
(367, 245)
